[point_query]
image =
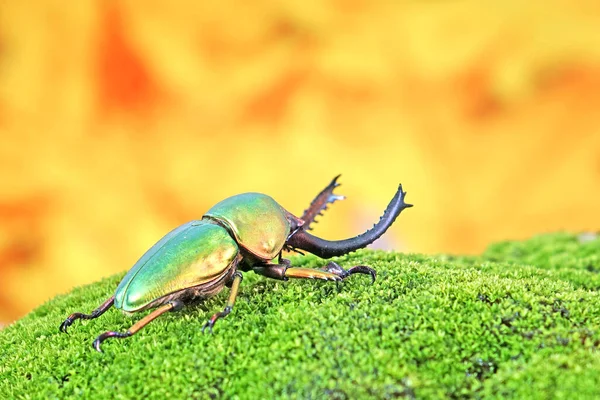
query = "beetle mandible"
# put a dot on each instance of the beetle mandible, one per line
(246, 232)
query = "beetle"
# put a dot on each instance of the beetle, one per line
(245, 232)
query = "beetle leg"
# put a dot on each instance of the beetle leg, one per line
(311, 273)
(285, 271)
(319, 204)
(335, 268)
(235, 287)
(171, 306)
(331, 272)
(94, 314)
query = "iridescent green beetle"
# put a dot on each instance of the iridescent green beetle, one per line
(245, 232)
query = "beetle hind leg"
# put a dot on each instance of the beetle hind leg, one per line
(107, 335)
(94, 314)
(174, 305)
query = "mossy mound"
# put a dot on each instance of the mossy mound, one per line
(520, 321)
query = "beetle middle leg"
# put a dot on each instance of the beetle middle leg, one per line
(94, 314)
(174, 305)
(235, 288)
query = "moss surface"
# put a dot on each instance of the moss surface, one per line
(520, 321)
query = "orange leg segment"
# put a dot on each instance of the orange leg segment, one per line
(171, 306)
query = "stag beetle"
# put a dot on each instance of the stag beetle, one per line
(246, 232)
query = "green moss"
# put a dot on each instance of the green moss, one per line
(520, 321)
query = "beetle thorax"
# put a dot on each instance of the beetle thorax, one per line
(256, 221)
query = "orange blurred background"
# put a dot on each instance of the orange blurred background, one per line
(122, 120)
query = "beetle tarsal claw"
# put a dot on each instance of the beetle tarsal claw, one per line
(69, 321)
(66, 323)
(209, 326)
(335, 268)
(363, 269)
(221, 314)
(107, 335)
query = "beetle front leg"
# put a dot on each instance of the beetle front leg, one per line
(285, 271)
(331, 272)
(235, 287)
(94, 314)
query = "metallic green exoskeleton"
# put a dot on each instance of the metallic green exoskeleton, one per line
(194, 255)
(245, 232)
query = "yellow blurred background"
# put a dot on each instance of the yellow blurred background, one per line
(121, 120)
